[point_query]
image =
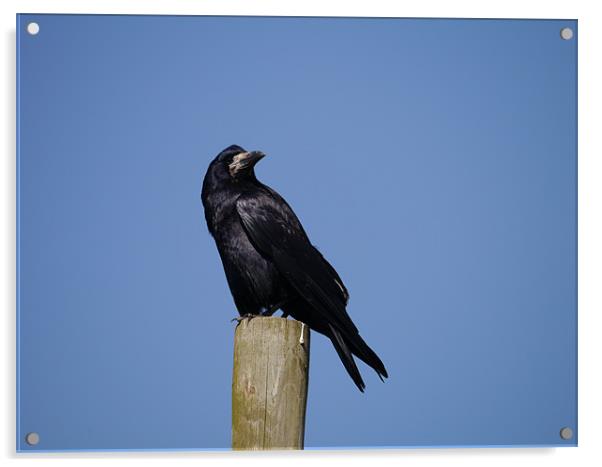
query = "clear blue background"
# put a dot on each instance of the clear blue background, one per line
(433, 162)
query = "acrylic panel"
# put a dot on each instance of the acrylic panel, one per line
(432, 161)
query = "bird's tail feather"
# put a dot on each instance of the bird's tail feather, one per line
(368, 356)
(345, 344)
(345, 355)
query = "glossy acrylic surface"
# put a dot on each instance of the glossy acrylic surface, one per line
(432, 161)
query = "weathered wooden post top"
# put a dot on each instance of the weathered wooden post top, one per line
(269, 383)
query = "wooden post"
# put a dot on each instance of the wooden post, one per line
(269, 383)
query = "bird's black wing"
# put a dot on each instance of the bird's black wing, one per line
(275, 231)
(281, 201)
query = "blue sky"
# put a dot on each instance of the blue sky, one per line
(433, 162)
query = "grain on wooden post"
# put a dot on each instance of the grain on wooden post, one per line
(269, 383)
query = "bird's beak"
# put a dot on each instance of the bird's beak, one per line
(254, 157)
(245, 161)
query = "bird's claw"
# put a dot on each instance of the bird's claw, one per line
(239, 319)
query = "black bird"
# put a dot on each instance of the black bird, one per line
(269, 261)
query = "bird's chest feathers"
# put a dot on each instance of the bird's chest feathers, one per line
(221, 213)
(226, 220)
(229, 233)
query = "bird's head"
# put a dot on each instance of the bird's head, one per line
(235, 163)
